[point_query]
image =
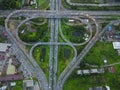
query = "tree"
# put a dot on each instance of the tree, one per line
(10, 4)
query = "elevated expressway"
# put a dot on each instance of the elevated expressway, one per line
(95, 14)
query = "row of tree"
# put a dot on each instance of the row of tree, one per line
(10, 4)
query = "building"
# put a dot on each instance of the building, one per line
(91, 71)
(30, 85)
(13, 84)
(86, 71)
(3, 88)
(101, 70)
(11, 77)
(100, 88)
(79, 72)
(116, 45)
(96, 88)
(33, 2)
(71, 20)
(111, 69)
(109, 28)
(4, 47)
(27, 2)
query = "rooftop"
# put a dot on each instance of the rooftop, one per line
(11, 77)
(4, 47)
(29, 83)
(116, 45)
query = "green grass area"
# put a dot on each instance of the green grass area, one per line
(28, 47)
(2, 21)
(2, 39)
(66, 5)
(37, 33)
(80, 48)
(38, 20)
(101, 50)
(18, 18)
(95, 57)
(43, 4)
(41, 55)
(76, 82)
(74, 33)
(83, 82)
(40, 2)
(60, 38)
(65, 55)
(8, 4)
(19, 85)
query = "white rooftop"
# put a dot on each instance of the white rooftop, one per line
(94, 71)
(71, 20)
(116, 45)
(86, 71)
(4, 47)
(29, 83)
(3, 88)
(13, 84)
(79, 72)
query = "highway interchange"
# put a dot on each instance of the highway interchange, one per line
(54, 16)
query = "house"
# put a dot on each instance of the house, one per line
(13, 84)
(111, 69)
(3, 88)
(79, 72)
(4, 33)
(97, 88)
(4, 47)
(101, 70)
(116, 45)
(109, 28)
(30, 85)
(71, 20)
(86, 71)
(27, 2)
(91, 71)
(11, 77)
(33, 2)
